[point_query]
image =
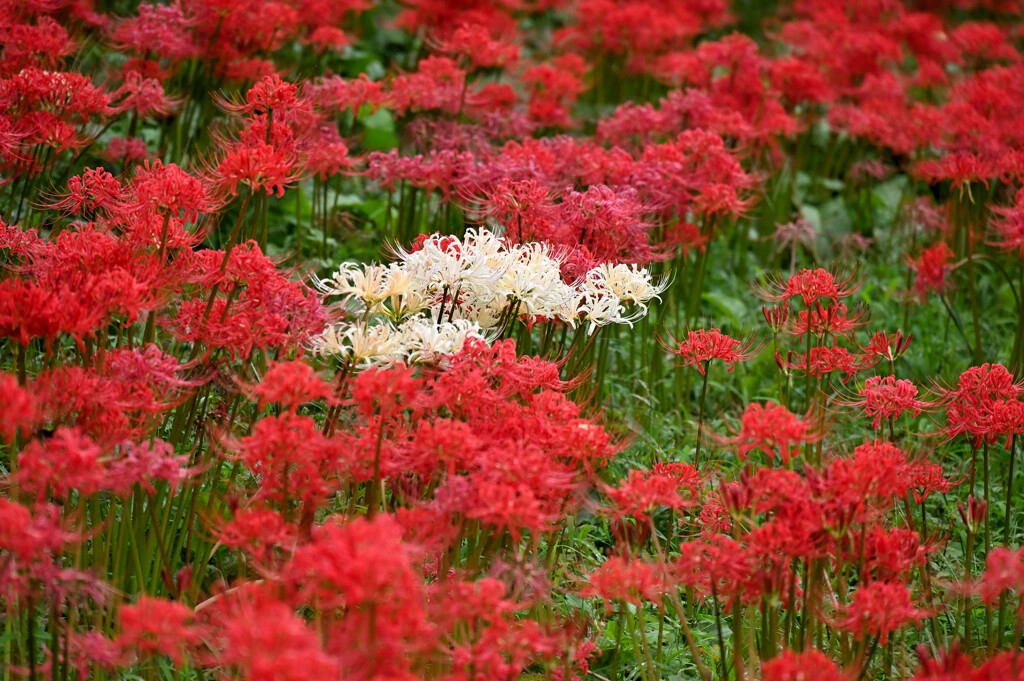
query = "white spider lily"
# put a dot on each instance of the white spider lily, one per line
(426, 341)
(376, 344)
(607, 309)
(428, 303)
(628, 283)
(367, 283)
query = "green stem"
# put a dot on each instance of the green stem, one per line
(700, 417)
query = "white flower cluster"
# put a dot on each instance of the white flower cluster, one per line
(426, 304)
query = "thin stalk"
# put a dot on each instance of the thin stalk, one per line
(371, 497)
(967, 598)
(700, 416)
(973, 289)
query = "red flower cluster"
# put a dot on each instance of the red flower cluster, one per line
(208, 469)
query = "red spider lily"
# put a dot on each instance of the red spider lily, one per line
(825, 360)
(954, 664)
(69, 94)
(475, 44)
(974, 513)
(735, 77)
(932, 268)
(828, 322)
(441, 170)
(879, 609)
(889, 346)
(64, 462)
(1009, 228)
(890, 554)
(264, 309)
(871, 479)
(385, 392)
(674, 175)
(714, 518)
(948, 665)
(158, 29)
(775, 316)
(500, 643)
(630, 581)
(93, 191)
(643, 29)
(363, 573)
(886, 398)
(148, 366)
(259, 531)
(687, 236)
(554, 88)
(293, 459)
(800, 231)
(607, 223)
(929, 478)
(352, 565)
(329, 154)
(978, 385)
(145, 97)
(259, 166)
(644, 491)
(270, 94)
(81, 281)
(29, 311)
(772, 429)
(715, 567)
(20, 414)
(467, 428)
(701, 346)
(809, 285)
(336, 92)
(961, 168)
(90, 651)
(32, 539)
(517, 205)
(327, 15)
(797, 666)
(154, 625)
(169, 190)
(985, 404)
(42, 42)
(107, 405)
(290, 384)
(629, 535)
(260, 637)
(466, 465)
(1004, 571)
(29, 534)
(438, 84)
(324, 38)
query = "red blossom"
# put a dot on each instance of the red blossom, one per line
(701, 346)
(631, 581)
(809, 285)
(772, 429)
(644, 491)
(932, 268)
(886, 398)
(154, 625)
(879, 609)
(794, 666)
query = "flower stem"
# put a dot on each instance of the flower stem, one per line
(700, 417)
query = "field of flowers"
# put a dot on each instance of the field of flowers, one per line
(511, 339)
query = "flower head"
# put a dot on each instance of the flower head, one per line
(886, 398)
(703, 345)
(809, 285)
(772, 429)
